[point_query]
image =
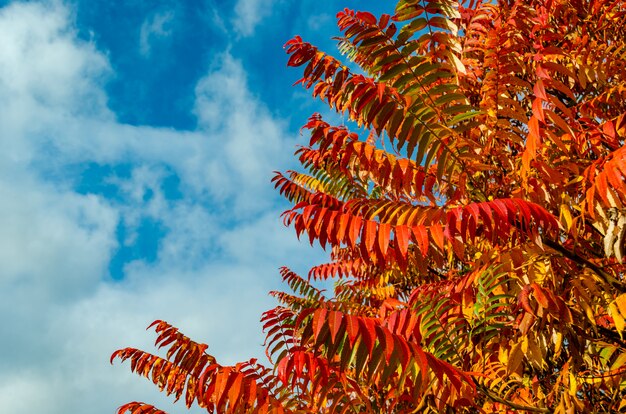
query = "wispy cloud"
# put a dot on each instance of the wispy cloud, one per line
(155, 27)
(317, 21)
(249, 13)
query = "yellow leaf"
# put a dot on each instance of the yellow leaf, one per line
(588, 310)
(525, 344)
(503, 356)
(617, 318)
(515, 358)
(620, 301)
(458, 65)
(566, 216)
(620, 361)
(536, 355)
(557, 339)
(573, 386)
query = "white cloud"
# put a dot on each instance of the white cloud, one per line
(53, 246)
(155, 27)
(45, 60)
(61, 316)
(248, 14)
(245, 137)
(46, 74)
(317, 21)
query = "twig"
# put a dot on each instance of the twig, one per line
(606, 277)
(511, 404)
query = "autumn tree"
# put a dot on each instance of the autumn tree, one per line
(475, 219)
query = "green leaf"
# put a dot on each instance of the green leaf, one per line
(393, 72)
(449, 97)
(464, 117)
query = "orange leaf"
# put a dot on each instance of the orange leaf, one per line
(421, 238)
(369, 234)
(341, 229)
(402, 239)
(541, 297)
(368, 333)
(354, 229)
(319, 319)
(538, 110)
(540, 91)
(384, 231)
(335, 319)
(352, 328)
(436, 232)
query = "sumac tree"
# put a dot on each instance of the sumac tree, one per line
(475, 217)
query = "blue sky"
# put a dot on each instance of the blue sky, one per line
(138, 141)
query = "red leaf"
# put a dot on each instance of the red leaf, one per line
(404, 351)
(368, 333)
(384, 20)
(384, 231)
(523, 300)
(451, 224)
(389, 343)
(541, 72)
(319, 319)
(538, 110)
(367, 17)
(452, 374)
(421, 238)
(437, 233)
(533, 130)
(540, 91)
(540, 295)
(381, 90)
(335, 320)
(402, 239)
(341, 229)
(352, 328)
(221, 385)
(354, 229)
(369, 234)
(422, 361)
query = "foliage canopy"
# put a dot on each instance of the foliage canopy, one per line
(476, 222)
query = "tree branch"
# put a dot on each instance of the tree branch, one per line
(606, 277)
(494, 397)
